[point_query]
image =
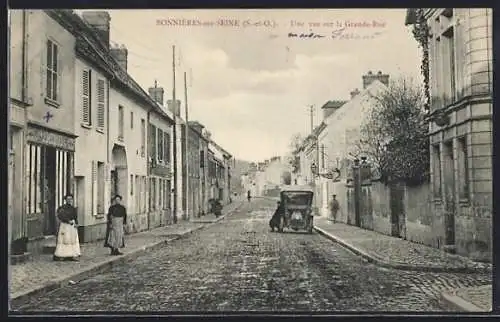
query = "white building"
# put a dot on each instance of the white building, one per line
(338, 141)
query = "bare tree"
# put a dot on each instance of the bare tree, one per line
(394, 137)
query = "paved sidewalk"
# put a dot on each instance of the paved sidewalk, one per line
(469, 299)
(42, 274)
(394, 252)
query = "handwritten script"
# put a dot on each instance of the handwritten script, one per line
(338, 34)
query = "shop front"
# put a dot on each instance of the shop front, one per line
(49, 168)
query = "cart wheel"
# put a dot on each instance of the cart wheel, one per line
(311, 225)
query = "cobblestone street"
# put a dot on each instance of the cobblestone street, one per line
(239, 265)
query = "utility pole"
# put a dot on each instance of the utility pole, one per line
(186, 165)
(174, 105)
(311, 114)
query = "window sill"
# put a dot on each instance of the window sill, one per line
(120, 138)
(87, 126)
(100, 130)
(438, 200)
(52, 103)
(99, 216)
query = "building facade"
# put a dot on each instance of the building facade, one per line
(20, 101)
(461, 86)
(42, 97)
(160, 127)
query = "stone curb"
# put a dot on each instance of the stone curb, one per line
(457, 304)
(99, 267)
(401, 266)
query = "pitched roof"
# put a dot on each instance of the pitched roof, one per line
(89, 45)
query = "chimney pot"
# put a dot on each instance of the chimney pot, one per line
(380, 72)
(120, 54)
(370, 72)
(156, 93)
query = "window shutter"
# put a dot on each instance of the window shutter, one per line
(59, 81)
(94, 187)
(86, 97)
(43, 69)
(101, 99)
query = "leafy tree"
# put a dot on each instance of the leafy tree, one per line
(293, 159)
(394, 136)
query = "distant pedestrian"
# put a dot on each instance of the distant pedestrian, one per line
(249, 196)
(67, 243)
(334, 208)
(117, 219)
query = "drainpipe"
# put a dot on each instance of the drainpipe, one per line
(24, 94)
(148, 166)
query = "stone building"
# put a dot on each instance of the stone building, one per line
(42, 135)
(119, 164)
(196, 168)
(461, 86)
(160, 127)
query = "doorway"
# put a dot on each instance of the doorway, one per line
(49, 188)
(449, 193)
(397, 210)
(80, 196)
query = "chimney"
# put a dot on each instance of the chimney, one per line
(177, 111)
(370, 77)
(196, 126)
(156, 93)
(120, 54)
(99, 21)
(330, 107)
(354, 93)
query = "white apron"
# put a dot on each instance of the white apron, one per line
(67, 244)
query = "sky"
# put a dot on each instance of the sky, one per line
(251, 85)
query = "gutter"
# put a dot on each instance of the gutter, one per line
(24, 79)
(148, 163)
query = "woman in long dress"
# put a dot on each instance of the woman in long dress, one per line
(67, 244)
(115, 234)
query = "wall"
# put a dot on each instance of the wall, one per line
(91, 146)
(41, 28)
(471, 117)
(136, 162)
(418, 226)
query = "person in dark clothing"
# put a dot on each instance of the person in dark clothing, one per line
(217, 208)
(249, 196)
(67, 243)
(117, 220)
(275, 219)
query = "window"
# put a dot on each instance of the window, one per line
(202, 159)
(144, 192)
(34, 178)
(143, 137)
(166, 147)
(131, 184)
(463, 168)
(160, 193)
(166, 191)
(86, 94)
(52, 82)
(101, 107)
(160, 145)
(100, 188)
(152, 141)
(138, 192)
(120, 123)
(152, 193)
(436, 170)
(131, 120)
(449, 42)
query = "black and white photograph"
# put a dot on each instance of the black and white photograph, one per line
(179, 161)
